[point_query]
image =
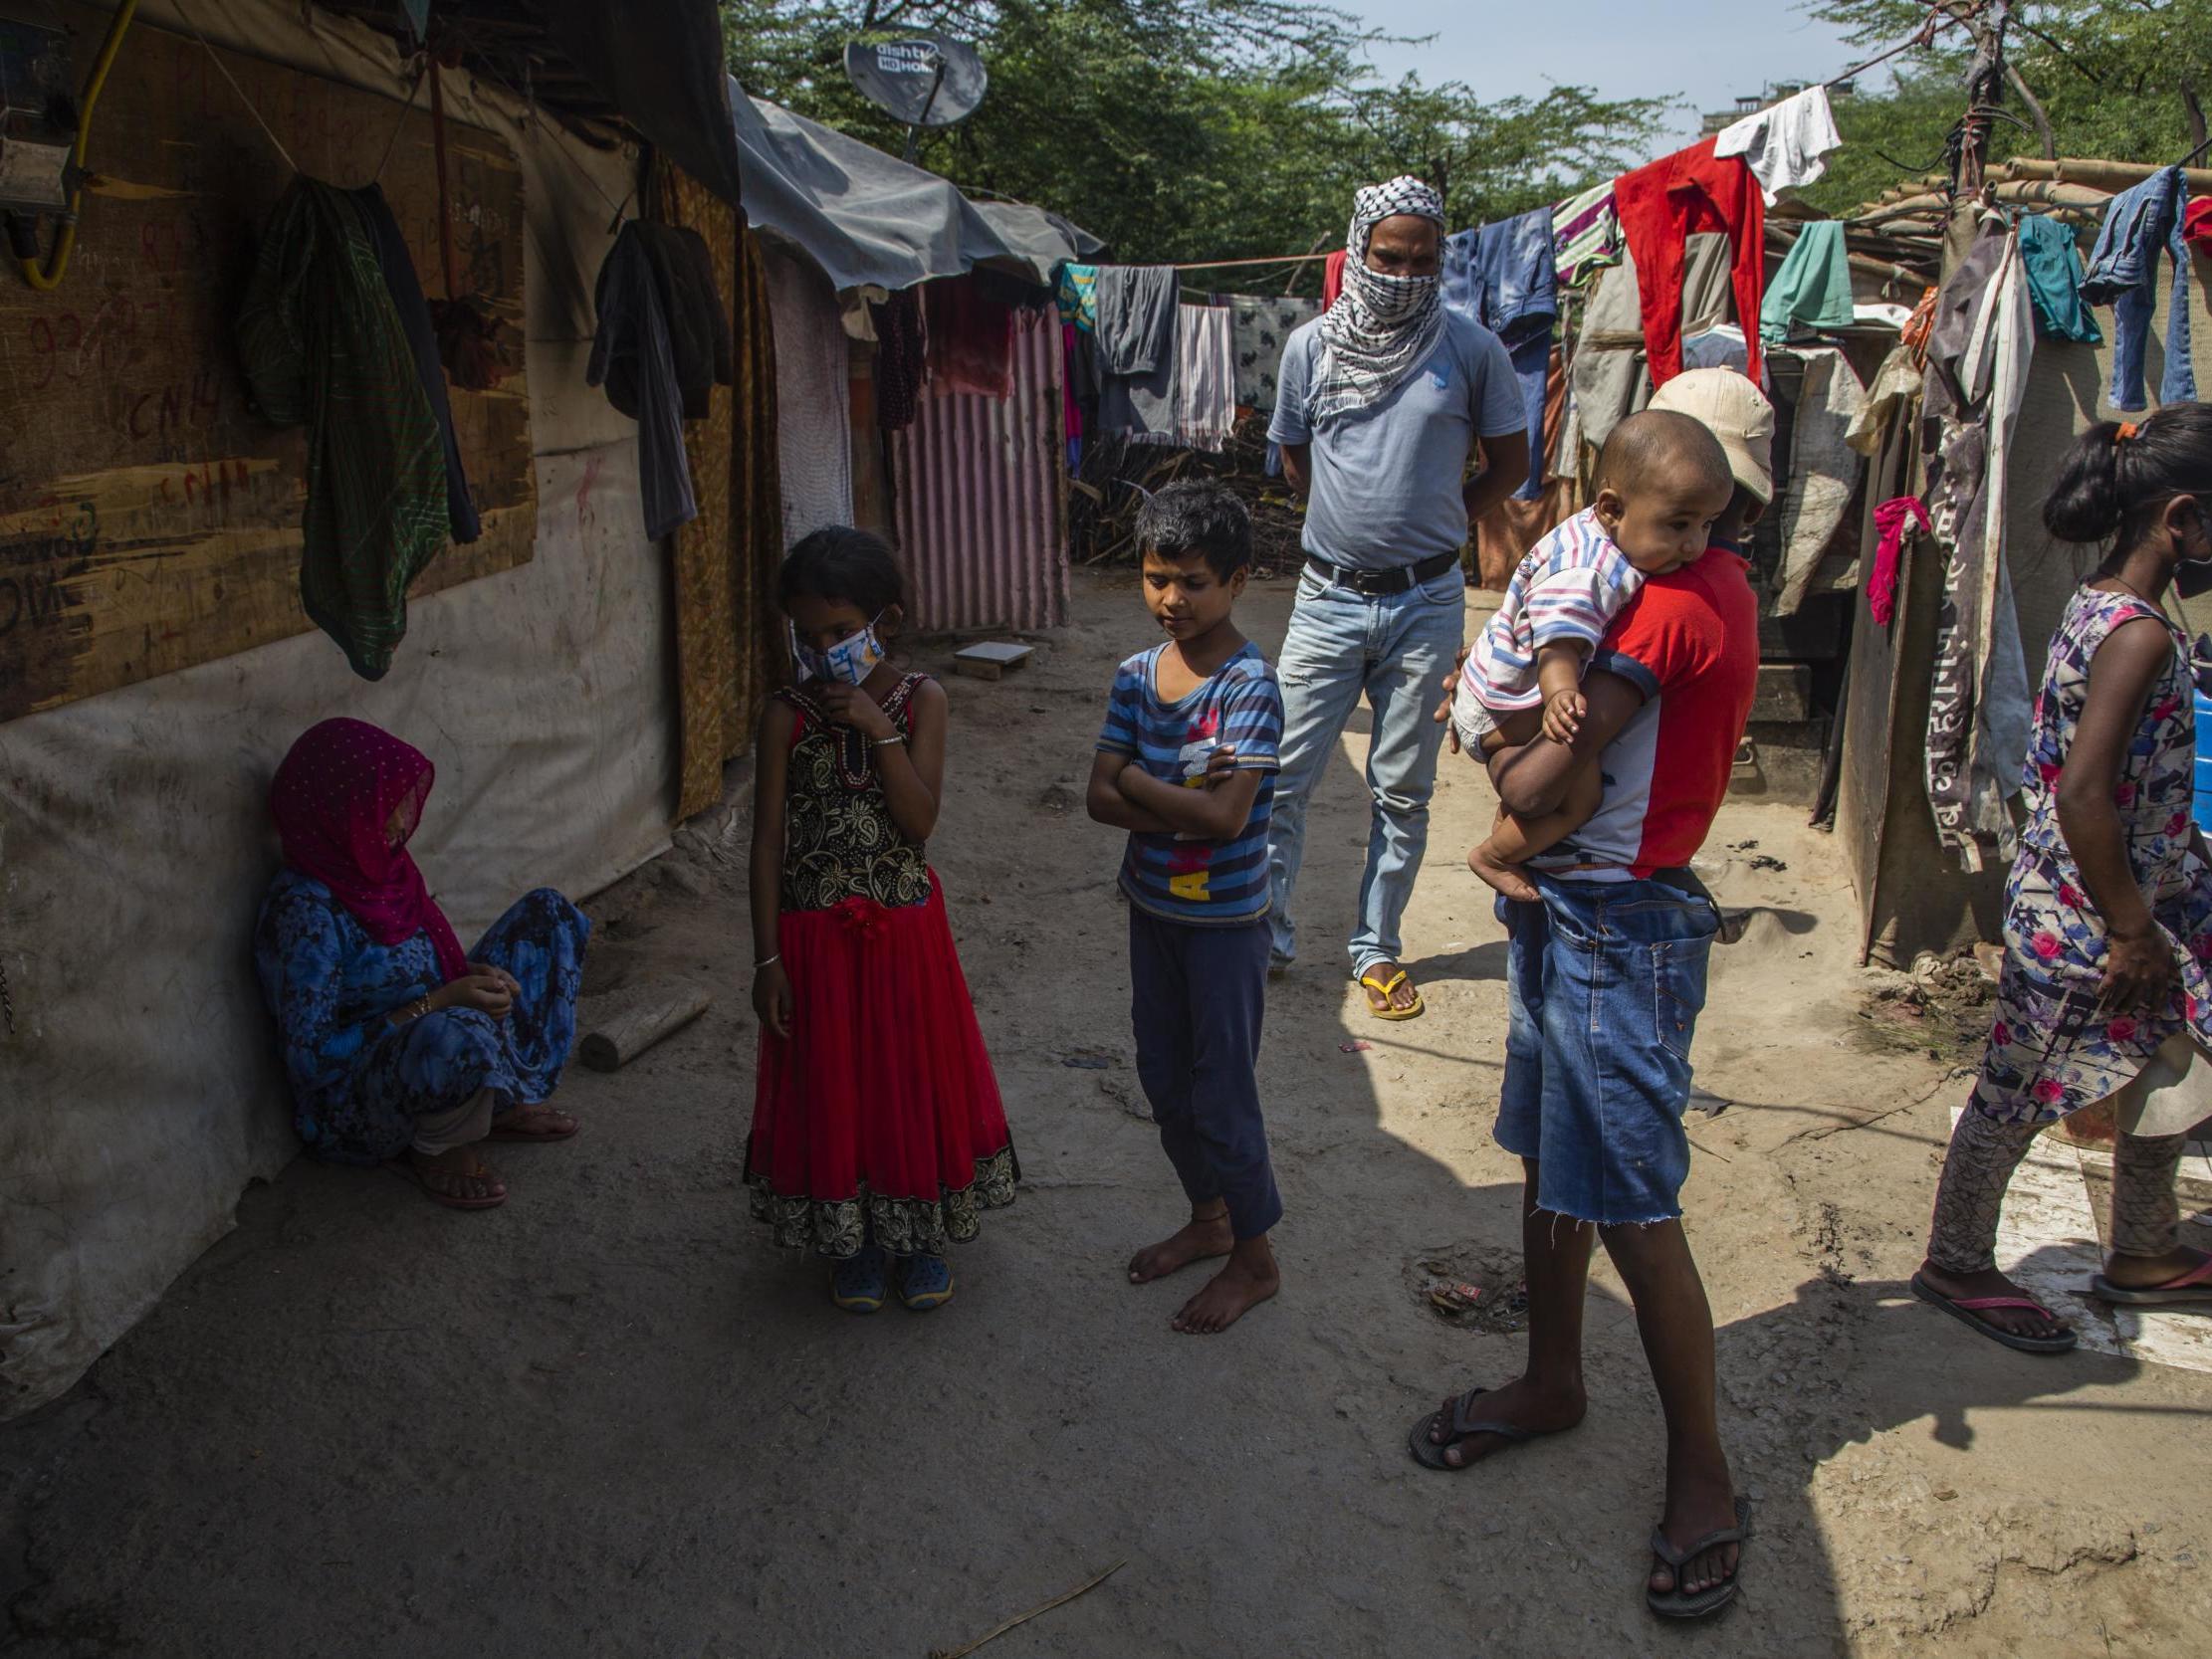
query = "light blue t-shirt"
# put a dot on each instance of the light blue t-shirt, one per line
(1388, 478)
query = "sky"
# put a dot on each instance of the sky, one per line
(1707, 51)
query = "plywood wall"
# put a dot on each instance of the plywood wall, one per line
(148, 520)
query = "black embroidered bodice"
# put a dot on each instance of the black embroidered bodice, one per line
(840, 841)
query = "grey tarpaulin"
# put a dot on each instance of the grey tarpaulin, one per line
(659, 62)
(869, 219)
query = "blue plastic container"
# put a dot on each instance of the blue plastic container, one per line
(2204, 764)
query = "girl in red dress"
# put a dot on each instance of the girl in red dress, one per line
(878, 1136)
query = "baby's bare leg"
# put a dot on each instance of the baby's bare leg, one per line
(1515, 840)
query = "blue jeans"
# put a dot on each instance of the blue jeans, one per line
(1605, 980)
(2123, 273)
(1397, 650)
(1198, 996)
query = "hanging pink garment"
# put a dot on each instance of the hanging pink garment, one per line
(1890, 519)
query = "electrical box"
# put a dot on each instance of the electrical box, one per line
(38, 118)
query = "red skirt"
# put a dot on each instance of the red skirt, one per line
(879, 1114)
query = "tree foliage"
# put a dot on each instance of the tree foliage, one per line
(2116, 79)
(1187, 129)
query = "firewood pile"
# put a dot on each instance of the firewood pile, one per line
(1117, 476)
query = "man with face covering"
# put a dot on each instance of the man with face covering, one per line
(1381, 404)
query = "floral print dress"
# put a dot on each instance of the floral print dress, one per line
(2052, 1052)
(358, 1083)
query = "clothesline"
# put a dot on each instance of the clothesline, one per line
(1233, 264)
(1919, 37)
(1922, 36)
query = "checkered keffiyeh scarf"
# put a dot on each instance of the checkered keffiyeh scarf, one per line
(1382, 329)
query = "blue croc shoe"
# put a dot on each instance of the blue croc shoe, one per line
(856, 1284)
(924, 1282)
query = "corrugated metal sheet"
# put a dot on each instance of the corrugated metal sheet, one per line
(981, 496)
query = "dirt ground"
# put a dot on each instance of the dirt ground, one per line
(610, 1419)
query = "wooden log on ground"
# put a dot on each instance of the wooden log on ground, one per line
(620, 1028)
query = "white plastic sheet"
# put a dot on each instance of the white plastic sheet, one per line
(814, 398)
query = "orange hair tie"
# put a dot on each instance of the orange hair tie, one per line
(2127, 429)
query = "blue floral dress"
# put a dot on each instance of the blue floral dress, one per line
(2051, 1051)
(358, 1083)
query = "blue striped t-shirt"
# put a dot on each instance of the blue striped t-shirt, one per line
(1205, 883)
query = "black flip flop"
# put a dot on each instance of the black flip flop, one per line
(2190, 1289)
(1429, 1455)
(1964, 1312)
(1677, 1603)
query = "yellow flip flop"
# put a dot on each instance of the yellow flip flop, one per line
(1374, 982)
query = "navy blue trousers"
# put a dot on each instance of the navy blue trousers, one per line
(1198, 996)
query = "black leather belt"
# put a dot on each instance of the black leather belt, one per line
(1375, 585)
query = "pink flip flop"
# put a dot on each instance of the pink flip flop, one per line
(1966, 1308)
(2195, 1285)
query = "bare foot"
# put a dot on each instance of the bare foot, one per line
(2018, 1322)
(1696, 1508)
(458, 1177)
(1199, 1237)
(1506, 877)
(1248, 1280)
(1404, 996)
(1520, 1403)
(533, 1122)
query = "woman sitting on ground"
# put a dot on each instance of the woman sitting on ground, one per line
(396, 1041)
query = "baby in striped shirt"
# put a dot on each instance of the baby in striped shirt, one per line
(1658, 494)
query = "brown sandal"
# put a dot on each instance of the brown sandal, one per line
(453, 1200)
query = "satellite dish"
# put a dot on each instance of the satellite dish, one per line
(923, 80)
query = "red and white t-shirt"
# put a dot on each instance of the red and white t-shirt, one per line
(1689, 641)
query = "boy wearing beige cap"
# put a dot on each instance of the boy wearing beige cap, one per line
(1671, 482)
(1737, 413)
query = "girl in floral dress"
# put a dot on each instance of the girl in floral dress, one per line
(878, 1136)
(2108, 920)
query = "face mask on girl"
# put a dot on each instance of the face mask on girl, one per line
(851, 659)
(2192, 574)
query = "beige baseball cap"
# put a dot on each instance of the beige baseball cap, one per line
(1736, 412)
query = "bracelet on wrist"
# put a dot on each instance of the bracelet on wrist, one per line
(890, 742)
(770, 963)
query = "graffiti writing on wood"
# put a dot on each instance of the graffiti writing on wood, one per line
(35, 569)
(65, 344)
(177, 407)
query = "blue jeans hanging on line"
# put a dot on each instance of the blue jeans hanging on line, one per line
(2123, 273)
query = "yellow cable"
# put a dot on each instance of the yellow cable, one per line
(49, 278)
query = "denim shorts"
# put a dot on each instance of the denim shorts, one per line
(1605, 982)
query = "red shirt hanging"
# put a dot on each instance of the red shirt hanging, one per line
(1661, 206)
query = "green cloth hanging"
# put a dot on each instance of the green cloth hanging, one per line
(323, 348)
(1813, 289)
(2053, 261)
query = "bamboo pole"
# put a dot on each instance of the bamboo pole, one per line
(2110, 176)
